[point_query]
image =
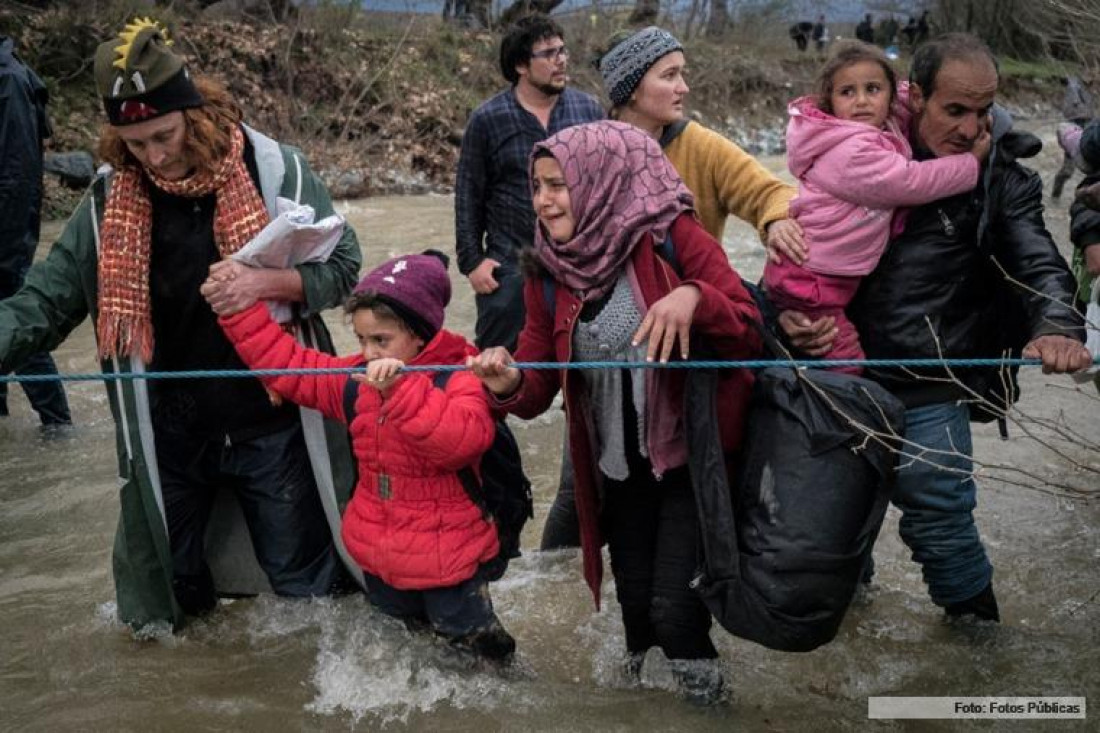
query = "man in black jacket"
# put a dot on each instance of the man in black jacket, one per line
(940, 290)
(23, 119)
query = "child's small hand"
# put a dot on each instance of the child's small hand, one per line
(982, 146)
(494, 368)
(381, 373)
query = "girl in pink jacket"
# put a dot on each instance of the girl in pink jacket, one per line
(848, 146)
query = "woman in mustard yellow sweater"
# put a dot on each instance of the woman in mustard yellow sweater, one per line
(643, 75)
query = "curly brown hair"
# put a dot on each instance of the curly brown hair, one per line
(208, 129)
(845, 54)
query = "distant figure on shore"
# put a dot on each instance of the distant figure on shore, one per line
(820, 34)
(922, 29)
(1078, 107)
(865, 31)
(23, 119)
(887, 34)
(455, 9)
(909, 32)
(800, 34)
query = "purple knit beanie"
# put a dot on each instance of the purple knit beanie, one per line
(416, 286)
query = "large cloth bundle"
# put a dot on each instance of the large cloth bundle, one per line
(785, 548)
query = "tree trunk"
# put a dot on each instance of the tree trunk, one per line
(523, 8)
(645, 12)
(719, 21)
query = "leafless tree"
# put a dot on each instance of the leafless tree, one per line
(1068, 29)
(719, 20)
(645, 12)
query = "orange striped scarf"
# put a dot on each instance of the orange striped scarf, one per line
(125, 325)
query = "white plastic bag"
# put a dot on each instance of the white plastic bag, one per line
(292, 237)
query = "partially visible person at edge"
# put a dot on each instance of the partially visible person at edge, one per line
(1078, 107)
(643, 75)
(493, 217)
(606, 200)
(1085, 219)
(494, 221)
(847, 144)
(1087, 154)
(935, 294)
(190, 185)
(418, 536)
(23, 119)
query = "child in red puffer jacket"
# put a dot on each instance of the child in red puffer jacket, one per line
(410, 525)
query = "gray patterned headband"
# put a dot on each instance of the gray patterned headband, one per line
(627, 62)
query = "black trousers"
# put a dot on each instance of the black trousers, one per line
(273, 480)
(562, 529)
(652, 532)
(500, 313)
(454, 611)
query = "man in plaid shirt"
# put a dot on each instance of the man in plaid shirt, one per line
(494, 218)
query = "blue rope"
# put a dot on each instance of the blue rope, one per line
(745, 364)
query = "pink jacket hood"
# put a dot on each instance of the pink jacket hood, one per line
(853, 176)
(812, 132)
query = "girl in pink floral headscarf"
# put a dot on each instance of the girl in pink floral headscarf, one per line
(607, 200)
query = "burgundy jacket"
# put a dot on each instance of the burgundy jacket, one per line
(721, 326)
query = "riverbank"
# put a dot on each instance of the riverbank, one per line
(378, 101)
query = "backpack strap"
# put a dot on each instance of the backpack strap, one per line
(351, 392)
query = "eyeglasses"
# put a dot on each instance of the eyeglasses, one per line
(551, 54)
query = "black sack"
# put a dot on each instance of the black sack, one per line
(504, 492)
(784, 551)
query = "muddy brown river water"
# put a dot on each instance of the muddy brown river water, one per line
(269, 664)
